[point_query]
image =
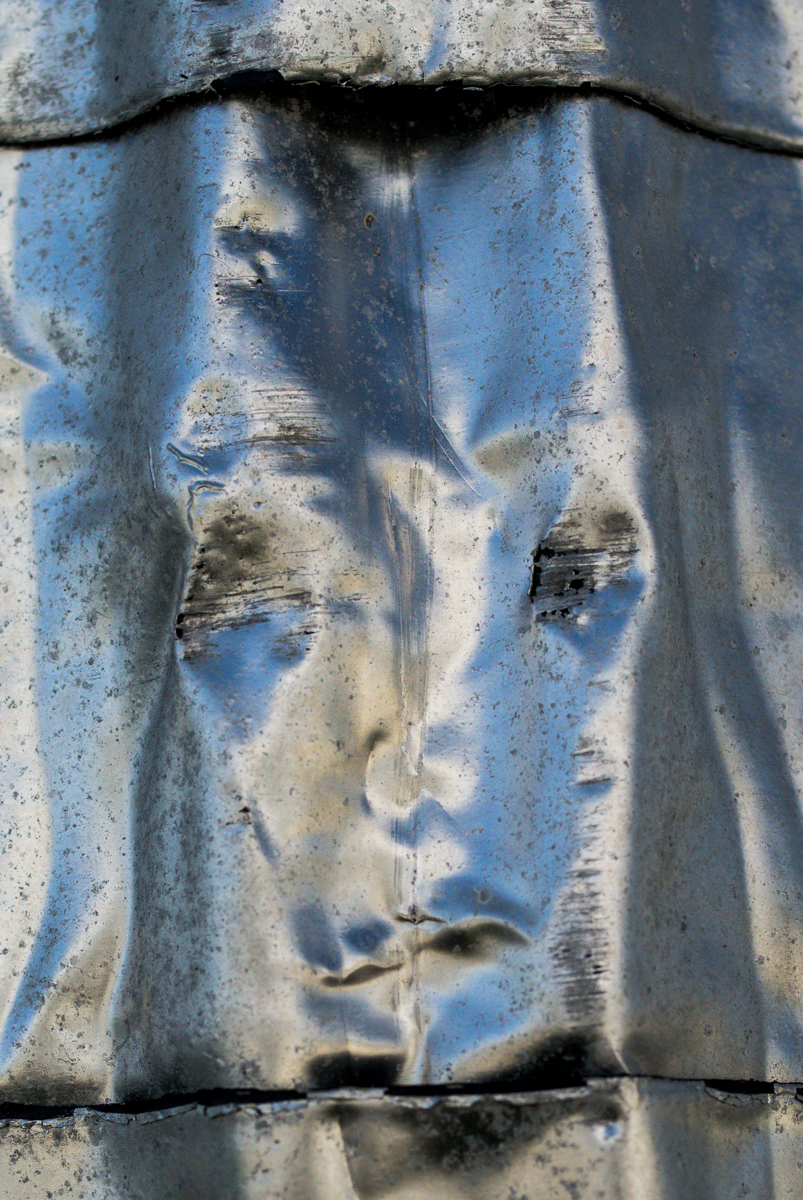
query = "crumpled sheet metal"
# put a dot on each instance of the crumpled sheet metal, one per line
(401, 633)
(729, 65)
(612, 1140)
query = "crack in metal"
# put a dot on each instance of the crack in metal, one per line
(235, 1099)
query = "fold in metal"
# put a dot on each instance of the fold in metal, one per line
(620, 1140)
(725, 64)
(401, 631)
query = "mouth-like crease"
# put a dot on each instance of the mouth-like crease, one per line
(471, 939)
(365, 973)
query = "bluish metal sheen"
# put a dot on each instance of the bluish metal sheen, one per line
(82, 65)
(401, 625)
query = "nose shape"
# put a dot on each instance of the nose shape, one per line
(385, 707)
(496, 819)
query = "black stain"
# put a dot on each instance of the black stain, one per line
(475, 940)
(573, 561)
(331, 1071)
(741, 1087)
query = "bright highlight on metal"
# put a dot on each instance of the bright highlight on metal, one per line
(400, 604)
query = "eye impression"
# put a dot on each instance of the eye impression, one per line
(576, 559)
(240, 574)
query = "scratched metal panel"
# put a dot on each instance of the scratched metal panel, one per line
(615, 1140)
(401, 624)
(731, 65)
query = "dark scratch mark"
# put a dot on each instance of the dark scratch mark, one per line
(573, 561)
(416, 917)
(239, 577)
(284, 418)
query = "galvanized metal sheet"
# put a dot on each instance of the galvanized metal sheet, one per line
(401, 624)
(615, 1140)
(70, 68)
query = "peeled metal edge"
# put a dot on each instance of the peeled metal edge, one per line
(717, 1091)
(258, 80)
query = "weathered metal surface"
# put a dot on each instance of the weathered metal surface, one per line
(72, 67)
(614, 1140)
(401, 624)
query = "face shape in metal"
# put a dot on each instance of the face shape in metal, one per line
(389, 515)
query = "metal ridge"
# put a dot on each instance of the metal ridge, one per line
(269, 85)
